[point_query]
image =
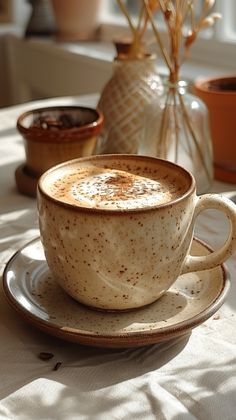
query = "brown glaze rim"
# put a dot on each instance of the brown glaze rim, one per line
(127, 59)
(69, 134)
(117, 340)
(69, 206)
(209, 85)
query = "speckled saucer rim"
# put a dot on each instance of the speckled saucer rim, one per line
(114, 340)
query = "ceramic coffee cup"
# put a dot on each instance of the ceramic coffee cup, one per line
(117, 229)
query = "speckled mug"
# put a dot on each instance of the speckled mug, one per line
(122, 259)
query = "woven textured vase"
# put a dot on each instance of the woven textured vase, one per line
(135, 82)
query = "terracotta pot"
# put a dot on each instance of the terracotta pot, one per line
(76, 19)
(46, 145)
(219, 95)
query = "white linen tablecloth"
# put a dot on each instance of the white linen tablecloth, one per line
(188, 378)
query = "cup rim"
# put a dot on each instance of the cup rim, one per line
(82, 132)
(189, 191)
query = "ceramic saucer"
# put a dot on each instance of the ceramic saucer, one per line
(30, 289)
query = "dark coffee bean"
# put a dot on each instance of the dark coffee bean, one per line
(45, 355)
(57, 366)
(47, 122)
(66, 121)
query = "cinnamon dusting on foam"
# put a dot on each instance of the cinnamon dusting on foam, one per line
(106, 188)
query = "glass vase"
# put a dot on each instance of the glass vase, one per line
(133, 85)
(176, 128)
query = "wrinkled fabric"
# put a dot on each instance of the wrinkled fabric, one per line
(189, 378)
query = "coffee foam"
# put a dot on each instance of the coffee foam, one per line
(107, 188)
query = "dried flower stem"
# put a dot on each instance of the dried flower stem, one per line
(176, 128)
(126, 13)
(189, 125)
(138, 31)
(141, 30)
(163, 122)
(176, 14)
(157, 35)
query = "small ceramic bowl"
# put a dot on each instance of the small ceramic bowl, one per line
(55, 134)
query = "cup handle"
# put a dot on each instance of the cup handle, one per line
(217, 202)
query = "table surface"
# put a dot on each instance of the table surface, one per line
(192, 377)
